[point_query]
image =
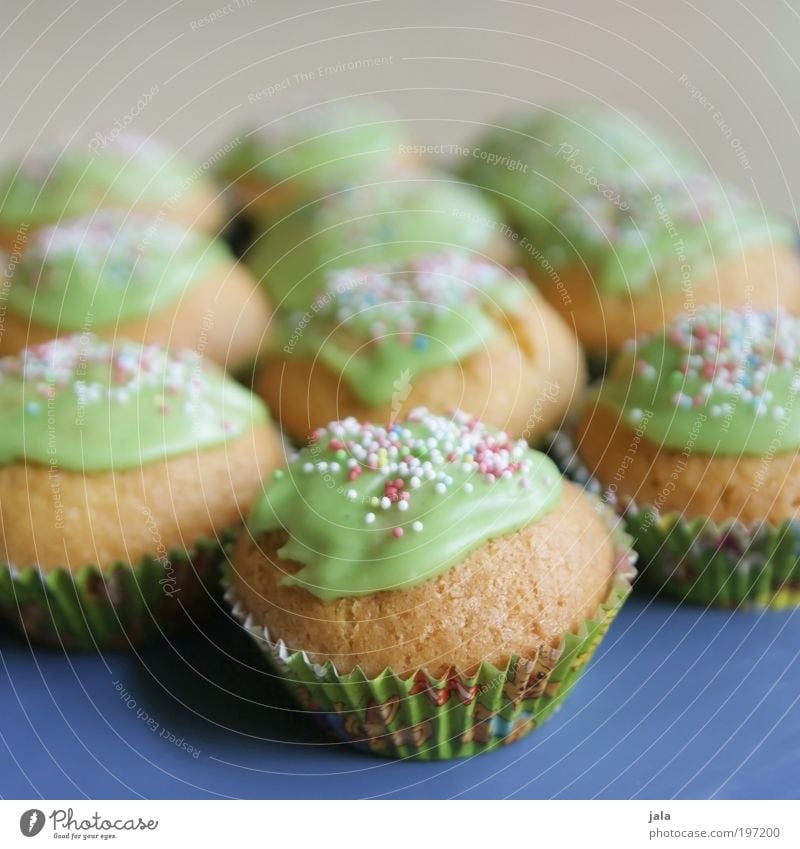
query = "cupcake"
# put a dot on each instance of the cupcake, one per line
(622, 233)
(429, 588)
(124, 471)
(440, 331)
(414, 213)
(316, 149)
(696, 432)
(53, 182)
(124, 275)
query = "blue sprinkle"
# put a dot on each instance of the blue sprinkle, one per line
(421, 343)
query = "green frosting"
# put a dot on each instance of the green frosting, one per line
(370, 225)
(326, 145)
(54, 182)
(378, 327)
(107, 268)
(369, 508)
(720, 381)
(609, 192)
(78, 403)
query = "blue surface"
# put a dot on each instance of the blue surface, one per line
(678, 702)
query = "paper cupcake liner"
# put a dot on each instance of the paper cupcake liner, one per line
(561, 450)
(727, 564)
(720, 564)
(450, 716)
(123, 605)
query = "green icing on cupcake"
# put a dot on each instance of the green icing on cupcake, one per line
(375, 326)
(325, 145)
(721, 381)
(108, 267)
(670, 231)
(609, 192)
(79, 403)
(54, 182)
(534, 163)
(369, 508)
(370, 225)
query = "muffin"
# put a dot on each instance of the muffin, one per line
(696, 432)
(316, 149)
(123, 275)
(413, 213)
(440, 331)
(123, 472)
(429, 588)
(55, 182)
(622, 232)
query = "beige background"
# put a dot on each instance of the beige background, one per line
(446, 66)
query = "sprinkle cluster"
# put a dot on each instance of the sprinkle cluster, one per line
(94, 371)
(398, 299)
(425, 452)
(44, 162)
(636, 209)
(112, 247)
(728, 356)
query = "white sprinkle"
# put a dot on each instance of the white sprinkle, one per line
(402, 506)
(351, 495)
(416, 526)
(369, 518)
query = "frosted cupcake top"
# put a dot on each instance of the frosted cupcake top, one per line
(327, 144)
(369, 508)
(609, 191)
(54, 182)
(373, 325)
(108, 267)
(721, 381)
(370, 225)
(81, 404)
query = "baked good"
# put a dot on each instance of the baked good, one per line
(124, 275)
(388, 220)
(315, 149)
(696, 432)
(123, 471)
(440, 331)
(53, 182)
(390, 568)
(623, 231)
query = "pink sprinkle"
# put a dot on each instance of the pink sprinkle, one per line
(397, 532)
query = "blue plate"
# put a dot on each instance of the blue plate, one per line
(679, 702)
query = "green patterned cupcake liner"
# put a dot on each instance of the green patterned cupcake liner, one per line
(721, 564)
(726, 564)
(450, 716)
(122, 606)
